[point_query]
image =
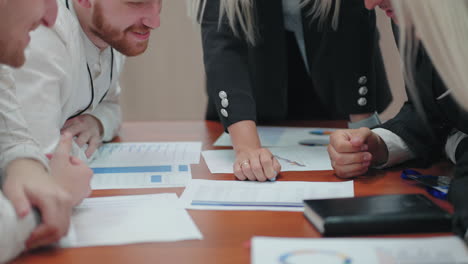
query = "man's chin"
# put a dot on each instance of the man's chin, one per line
(16, 61)
(133, 50)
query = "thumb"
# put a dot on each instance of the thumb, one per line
(359, 136)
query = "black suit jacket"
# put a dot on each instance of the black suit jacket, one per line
(268, 81)
(426, 131)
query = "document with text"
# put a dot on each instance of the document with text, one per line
(269, 196)
(299, 158)
(285, 136)
(122, 220)
(437, 250)
(144, 165)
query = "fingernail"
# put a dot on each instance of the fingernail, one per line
(367, 157)
(366, 164)
(272, 179)
(364, 147)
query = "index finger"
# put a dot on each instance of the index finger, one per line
(65, 145)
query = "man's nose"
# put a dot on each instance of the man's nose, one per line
(153, 17)
(50, 14)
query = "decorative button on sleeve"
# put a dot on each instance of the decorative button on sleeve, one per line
(224, 112)
(222, 95)
(225, 102)
(362, 101)
(362, 80)
(363, 90)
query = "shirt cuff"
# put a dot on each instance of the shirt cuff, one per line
(14, 231)
(369, 122)
(398, 150)
(452, 143)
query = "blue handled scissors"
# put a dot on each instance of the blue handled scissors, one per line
(436, 186)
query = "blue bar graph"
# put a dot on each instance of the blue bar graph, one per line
(163, 168)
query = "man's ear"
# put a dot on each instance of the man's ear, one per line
(84, 3)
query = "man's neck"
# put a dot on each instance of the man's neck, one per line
(85, 21)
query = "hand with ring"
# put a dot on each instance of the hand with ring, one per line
(256, 165)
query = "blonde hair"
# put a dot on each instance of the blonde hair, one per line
(240, 13)
(442, 27)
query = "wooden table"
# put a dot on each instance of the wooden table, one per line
(225, 233)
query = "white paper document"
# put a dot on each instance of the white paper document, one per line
(285, 136)
(269, 196)
(154, 177)
(299, 158)
(140, 154)
(144, 165)
(438, 250)
(122, 220)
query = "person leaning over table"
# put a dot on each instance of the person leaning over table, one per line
(77, 88)
(439, 79)
(271, 60)
(37, 195)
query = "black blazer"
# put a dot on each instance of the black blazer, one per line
(425, 132)
(257, 79)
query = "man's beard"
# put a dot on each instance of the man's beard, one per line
(117, 38)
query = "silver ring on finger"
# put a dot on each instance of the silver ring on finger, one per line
(244, 163)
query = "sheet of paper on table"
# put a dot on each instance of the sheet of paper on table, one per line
(437, 250)
(299, 158)
(283, 136)
(119, 220)
(144, 165)
(269, 196)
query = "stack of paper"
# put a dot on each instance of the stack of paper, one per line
(299, 158)
(129, 219)
(144, 165)
(271, 196)
(355, 250)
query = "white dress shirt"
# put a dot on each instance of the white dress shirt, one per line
(398, 150)
(15, 138)
(13, 231)
(292, 14)
(54, 84)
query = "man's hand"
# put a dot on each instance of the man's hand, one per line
(87, 129)
(28, 185)
(352, 151)
(72, 174)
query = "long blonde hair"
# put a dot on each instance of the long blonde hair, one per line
(239, 13)
(442, 27)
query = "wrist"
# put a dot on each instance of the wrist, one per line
(24, 165)
(379, 151)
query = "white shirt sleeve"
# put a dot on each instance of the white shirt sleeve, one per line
(15, 138)
(43, 88)
(452, 143)
(13, 231)
(398, 150)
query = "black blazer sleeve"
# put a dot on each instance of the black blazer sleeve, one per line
(347, 66)
(424, 130)
(226, 65)
(458, 192)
